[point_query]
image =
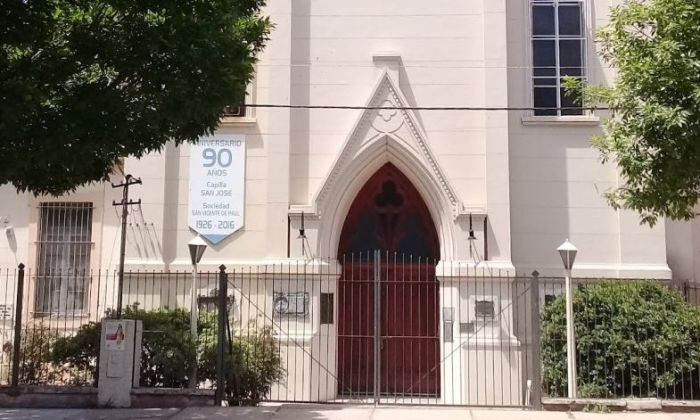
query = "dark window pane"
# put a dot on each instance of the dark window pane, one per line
(571, 57)
(543, 57)
(569, 101)
(543, 20)
(545, 81)
(237, 108)
(570, 20)
(545, 98)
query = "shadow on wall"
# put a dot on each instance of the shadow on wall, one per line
(557, 181)
(300, 94)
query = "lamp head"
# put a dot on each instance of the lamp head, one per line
(567, 251)
(197, 246)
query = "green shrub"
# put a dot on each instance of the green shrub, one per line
(168, 352)
(168, 348)
(632, 339)
(253, 358)
(79, 353)
(256, 366)
(166, 355)
(35, 351)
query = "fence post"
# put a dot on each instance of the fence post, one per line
(536, 394)
(19, 303)
(221, 338)
(377, 326)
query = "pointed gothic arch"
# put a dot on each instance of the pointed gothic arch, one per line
(379, 137)
(383, 149)
(389, 214)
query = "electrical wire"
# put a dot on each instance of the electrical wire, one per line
(448, 66)
(424, 108)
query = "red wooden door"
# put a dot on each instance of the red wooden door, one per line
(409, 328)
(389, 215)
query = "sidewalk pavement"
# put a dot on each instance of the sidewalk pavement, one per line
(328, 412)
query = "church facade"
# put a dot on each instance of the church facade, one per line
(442, 138)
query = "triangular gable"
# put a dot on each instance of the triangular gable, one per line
(375, 125)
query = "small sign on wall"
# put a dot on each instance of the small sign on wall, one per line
(217, 186)
(291, 304)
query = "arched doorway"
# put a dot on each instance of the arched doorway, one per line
(389, 215)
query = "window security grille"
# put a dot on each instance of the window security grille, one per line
(63, 266)
(558, 51)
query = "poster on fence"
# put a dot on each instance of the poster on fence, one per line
(114, 336)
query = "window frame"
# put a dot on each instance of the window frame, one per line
(245, 115)
(557, 37)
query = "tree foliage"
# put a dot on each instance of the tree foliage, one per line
(633, 338)
(653, 133)
(84, 83)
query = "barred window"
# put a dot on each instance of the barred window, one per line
(63, 267)
(558, 50)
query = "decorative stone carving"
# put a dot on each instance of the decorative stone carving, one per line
(383, 125)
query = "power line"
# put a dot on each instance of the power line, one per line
(432, 65)
(425, 108)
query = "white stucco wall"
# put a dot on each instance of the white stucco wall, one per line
(558, 181)
(537, 184)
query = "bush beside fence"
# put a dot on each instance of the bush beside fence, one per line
(633, 339)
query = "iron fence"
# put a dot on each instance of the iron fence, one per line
(368, 327)
(8, 297)
(383, 328)
(60, 346)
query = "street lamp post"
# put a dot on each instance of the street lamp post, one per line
(568, 251)
(196, 247)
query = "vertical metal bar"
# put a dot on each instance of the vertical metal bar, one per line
(395, 327)
(377, 326)
(416, 281)
(193, 325)
(221, 333)
(536, 332)
(18, 325)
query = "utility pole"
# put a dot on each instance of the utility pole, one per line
(125, 203)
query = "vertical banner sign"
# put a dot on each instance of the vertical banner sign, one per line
(217, 186)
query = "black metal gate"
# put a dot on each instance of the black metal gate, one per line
(388, 338)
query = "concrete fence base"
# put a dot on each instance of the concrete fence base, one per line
(622, 404)
(86, 397)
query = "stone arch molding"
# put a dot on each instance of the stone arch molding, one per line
(380, 136)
